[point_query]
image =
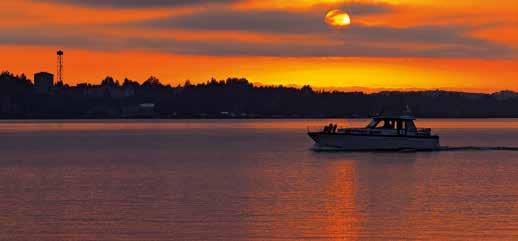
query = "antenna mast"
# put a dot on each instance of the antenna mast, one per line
(60, 66)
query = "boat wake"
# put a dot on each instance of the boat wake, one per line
(477, 148)
(440, 149)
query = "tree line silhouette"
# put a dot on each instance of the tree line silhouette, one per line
(233, 98)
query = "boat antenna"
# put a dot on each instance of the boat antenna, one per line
(408, 110)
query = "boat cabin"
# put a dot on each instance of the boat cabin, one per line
(400, 125)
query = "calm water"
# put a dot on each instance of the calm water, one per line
(250, 180)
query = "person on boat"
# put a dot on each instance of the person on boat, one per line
(331, 128)
(326, 129)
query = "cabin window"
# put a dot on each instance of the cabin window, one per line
(388, 124)
(382, 124)
(400, 125)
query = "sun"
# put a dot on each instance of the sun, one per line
(338, 18)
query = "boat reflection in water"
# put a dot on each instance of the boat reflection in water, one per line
(384, 133)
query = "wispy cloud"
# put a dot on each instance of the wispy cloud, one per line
(137, 3)
(271, 21)
(452, 44)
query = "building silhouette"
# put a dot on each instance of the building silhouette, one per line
(43, 82)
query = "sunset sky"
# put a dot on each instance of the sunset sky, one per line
(469, 45)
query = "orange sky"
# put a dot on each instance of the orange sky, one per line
(390, 44)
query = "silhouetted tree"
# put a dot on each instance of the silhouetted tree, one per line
(152, 82)
(130, 83)
(110, 82)
(18, 99)
(13, 85)
(306, 90)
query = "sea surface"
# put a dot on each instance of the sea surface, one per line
(250, 180)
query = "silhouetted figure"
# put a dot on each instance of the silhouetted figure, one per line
(328, 128)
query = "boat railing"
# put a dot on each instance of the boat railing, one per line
(323, 129)
(424, 132)
(344, 130)
(367, 131)
(363, 131)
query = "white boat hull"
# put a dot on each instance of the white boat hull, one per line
(373, 142)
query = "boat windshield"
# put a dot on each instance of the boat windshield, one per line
(373, 124)
(382, 124)
(410, 126)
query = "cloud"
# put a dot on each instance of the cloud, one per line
(301, 49)
(137, 3)
(450, 40)
(419, 34)
(273, 21)
(231, 47)
(250, 21)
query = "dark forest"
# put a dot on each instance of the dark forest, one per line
(233, 98)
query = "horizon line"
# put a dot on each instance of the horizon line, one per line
(344, 89)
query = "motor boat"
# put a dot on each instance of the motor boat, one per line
(383, 133)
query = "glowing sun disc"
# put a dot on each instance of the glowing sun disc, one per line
(337, 18)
